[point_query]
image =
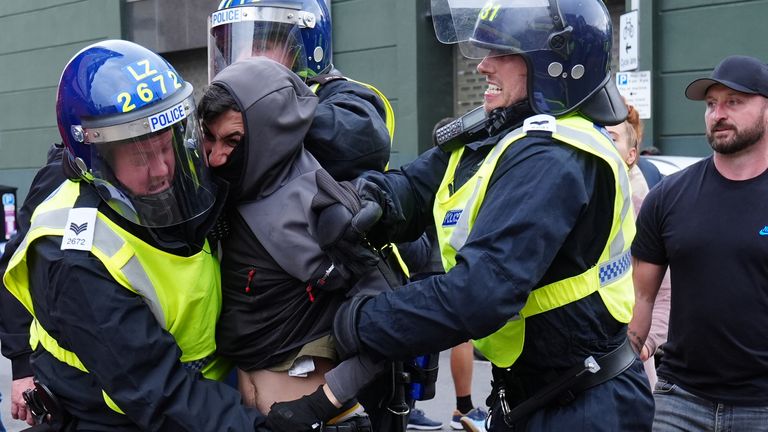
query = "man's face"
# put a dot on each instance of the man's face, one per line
(221, 136)
(735, 121)
(277, 52)
(624, 141)
(145, 167)
(507, 78)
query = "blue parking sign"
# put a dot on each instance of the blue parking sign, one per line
(8, 199)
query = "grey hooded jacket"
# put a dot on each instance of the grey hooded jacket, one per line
(271, 261)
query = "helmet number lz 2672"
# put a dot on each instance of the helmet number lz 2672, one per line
(145, 91)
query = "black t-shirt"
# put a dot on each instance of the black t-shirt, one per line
(713, 233)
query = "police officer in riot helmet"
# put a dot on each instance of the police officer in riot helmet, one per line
(534, 224)
(353, 124)
(115, 268)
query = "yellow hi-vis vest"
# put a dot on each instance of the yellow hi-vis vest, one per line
(610, 277)
(183, 293)
(390, 122)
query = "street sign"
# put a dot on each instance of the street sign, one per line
(636, 89)
(628, 41)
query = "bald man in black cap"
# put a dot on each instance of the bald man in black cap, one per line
(709, 224)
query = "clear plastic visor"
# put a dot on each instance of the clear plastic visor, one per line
(238, 33)
(157, 178)
(494, 27)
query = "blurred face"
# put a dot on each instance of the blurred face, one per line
(145, 167)
(735, 121)
(221, 136)
(623, 140)
(507, 78)
(273, 51)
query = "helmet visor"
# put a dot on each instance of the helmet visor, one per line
(156, 177)
(494, 27)
(244, 32)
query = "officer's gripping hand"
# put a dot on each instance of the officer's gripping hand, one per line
(19, 409)
(301, 415)
(344, 218)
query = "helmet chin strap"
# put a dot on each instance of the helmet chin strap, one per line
(161, 208)
(501, 118)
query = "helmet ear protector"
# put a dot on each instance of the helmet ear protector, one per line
(128, 122)
(295, 33)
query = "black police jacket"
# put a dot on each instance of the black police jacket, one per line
(348, 135)
(125, 349)
(545, 217)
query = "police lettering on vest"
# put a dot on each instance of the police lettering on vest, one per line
(452, 217)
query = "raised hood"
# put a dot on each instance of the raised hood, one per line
(278, 109)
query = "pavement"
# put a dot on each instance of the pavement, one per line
(440, 408)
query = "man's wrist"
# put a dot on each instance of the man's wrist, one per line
(331, 397)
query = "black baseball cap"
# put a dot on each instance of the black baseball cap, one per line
(741, 73)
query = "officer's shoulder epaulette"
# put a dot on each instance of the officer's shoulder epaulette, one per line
(325, 78)
(540, 123)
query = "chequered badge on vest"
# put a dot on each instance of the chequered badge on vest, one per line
(615, 268)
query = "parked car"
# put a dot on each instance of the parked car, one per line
(671, 164)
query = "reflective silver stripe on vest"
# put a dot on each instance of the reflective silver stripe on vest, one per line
(617, 245)
(461, 231)
(109, 242)
(140, 282)
(51, 219)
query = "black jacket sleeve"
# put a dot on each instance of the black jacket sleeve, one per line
(128, 354)
(14, 319)
(537, 193)
(411, 191)
(349, 132)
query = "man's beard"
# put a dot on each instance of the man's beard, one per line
(741, 139)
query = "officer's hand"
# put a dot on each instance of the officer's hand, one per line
(344, 218)
(19, 409)
(341, 235)
(308, 413)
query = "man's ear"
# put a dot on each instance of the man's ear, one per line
(631, 157)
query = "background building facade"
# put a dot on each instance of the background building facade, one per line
(388, 43)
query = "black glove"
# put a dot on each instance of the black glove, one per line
(343, 220)
(345, 324)
(308, 413)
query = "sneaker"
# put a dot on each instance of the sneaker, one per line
(476, 413)
(419, 421)
(456, 420)
(473, 421)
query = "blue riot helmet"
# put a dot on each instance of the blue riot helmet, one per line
(295, 33)
(566, 44)
(128, 122)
